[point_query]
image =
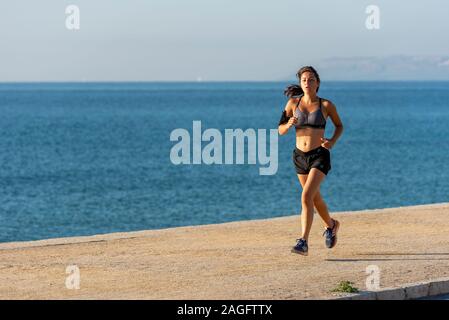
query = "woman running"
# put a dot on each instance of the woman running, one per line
(311, 157)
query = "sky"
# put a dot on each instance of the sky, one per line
(221, 40)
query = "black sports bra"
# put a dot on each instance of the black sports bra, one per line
(314, 119)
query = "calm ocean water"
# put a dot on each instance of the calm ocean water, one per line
(90, 158)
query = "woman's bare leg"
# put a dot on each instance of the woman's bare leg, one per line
(318, 202)
(321, 207)
(310, 188)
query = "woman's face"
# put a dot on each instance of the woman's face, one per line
(309, 82)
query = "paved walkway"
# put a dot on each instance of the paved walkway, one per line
(239, 260)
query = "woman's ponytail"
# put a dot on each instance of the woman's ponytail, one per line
(293, 90)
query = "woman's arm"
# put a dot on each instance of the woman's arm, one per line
(287, 119)
(333, 114)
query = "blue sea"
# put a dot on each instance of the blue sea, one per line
(92, 158)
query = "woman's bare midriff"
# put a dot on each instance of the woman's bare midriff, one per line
(308, 138)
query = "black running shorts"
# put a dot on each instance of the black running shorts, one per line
(319, 158)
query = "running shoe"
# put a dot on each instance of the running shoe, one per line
(331, 235)
(301, 247)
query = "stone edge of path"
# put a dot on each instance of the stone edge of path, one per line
(406, 292)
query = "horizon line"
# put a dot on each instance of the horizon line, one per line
(211, 81)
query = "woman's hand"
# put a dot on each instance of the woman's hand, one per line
(326, 143)
(291, 122)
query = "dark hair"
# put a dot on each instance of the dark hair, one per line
(296, 90)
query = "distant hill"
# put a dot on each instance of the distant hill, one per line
(398, 67)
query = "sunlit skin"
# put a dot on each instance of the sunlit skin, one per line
(308, 139)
